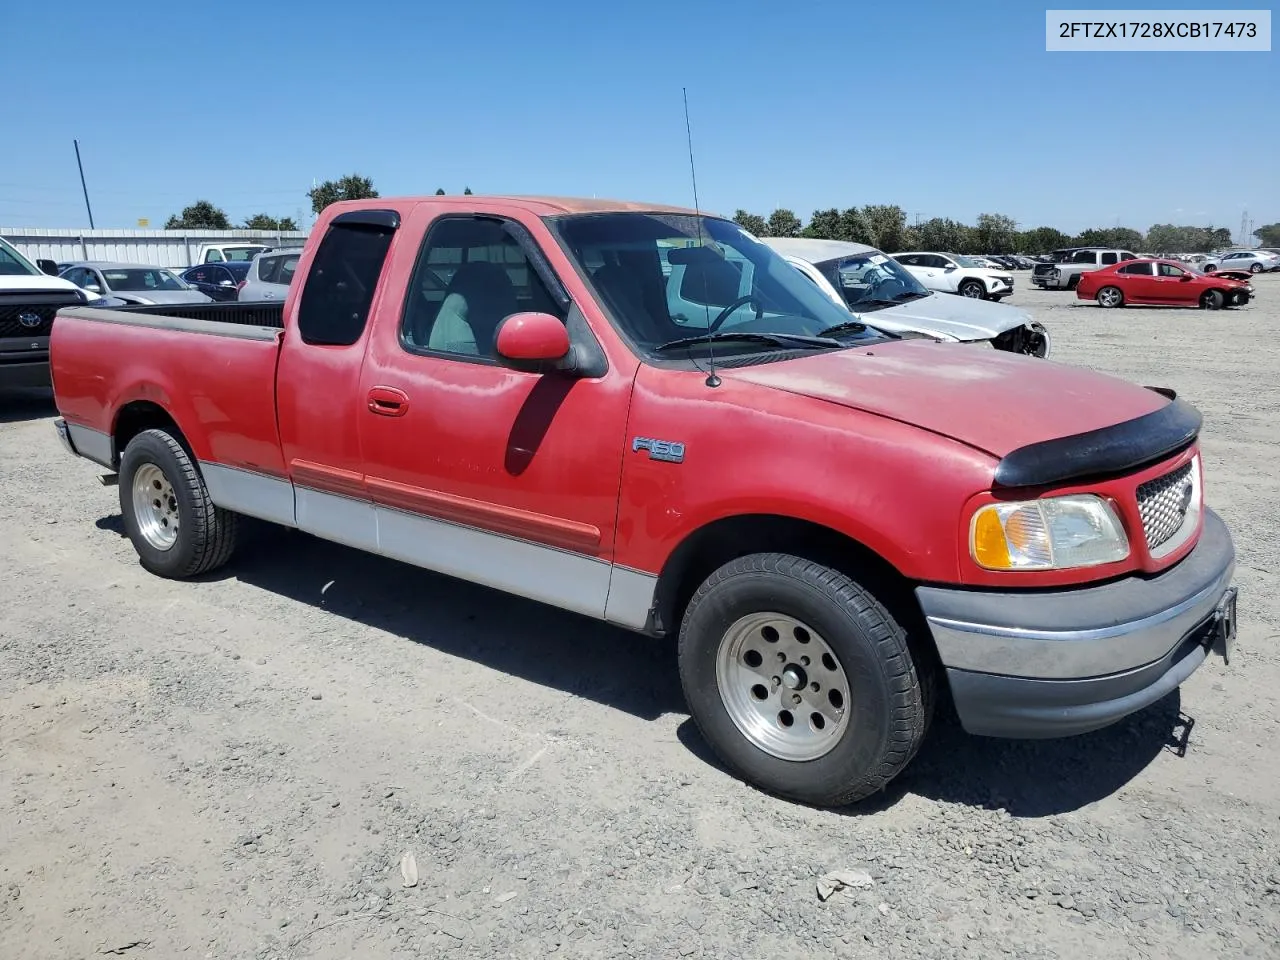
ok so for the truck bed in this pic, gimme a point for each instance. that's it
(212, 366)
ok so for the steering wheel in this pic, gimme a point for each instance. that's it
(723, 315)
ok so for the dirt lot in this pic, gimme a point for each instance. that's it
(234, 768)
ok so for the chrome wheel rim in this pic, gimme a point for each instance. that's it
(1109, 297)
(782, 686)
(155, 506)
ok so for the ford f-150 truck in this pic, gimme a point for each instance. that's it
(835, 520)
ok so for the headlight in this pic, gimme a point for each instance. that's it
(1056, 533)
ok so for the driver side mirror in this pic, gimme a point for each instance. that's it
(1185, 278)
(949, 267)
(93, 288)
(48, 266)
(226, 283)
(532, 342)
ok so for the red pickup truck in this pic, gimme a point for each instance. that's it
(645, 415)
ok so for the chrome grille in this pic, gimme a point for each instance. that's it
(1163, 504)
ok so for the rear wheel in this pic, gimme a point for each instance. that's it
(1256, 268)
(1211, 300)
(973, 289)
(1110, 297)
(801, 681)
(168, 515)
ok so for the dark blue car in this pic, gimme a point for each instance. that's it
(221, 281)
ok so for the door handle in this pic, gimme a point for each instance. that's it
(388, 402)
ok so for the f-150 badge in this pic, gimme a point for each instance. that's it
(666, 450)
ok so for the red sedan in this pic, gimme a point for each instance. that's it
(1161, 283)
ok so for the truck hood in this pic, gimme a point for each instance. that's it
(964, 318)
(37, 283)
(994, 402)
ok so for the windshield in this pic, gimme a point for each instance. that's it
(142, 279)
(665, 277)
(872, 281)
(242, 253)
(14, 264)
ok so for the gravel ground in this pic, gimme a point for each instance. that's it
(235, 767)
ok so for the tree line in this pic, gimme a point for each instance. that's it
(203, 215)
(885, 227)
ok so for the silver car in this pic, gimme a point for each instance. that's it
(876, 288)
(1255, 261)
(270, 275)
(134, 283)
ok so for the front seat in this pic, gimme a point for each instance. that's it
(479, 296)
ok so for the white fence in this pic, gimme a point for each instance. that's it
(161, 248)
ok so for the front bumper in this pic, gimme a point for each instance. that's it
(1062, 662)
(25, 374)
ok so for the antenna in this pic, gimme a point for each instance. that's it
(712, 379)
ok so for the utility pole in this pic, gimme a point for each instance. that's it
(82, 185)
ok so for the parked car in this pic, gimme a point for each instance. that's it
(1161, 282)
(998, 261)
(833, 519)
(270, 275)
(952, 273)
(132, 282)
(29, 298)
(877, 288)
(1254, 261)
(1067, 266)
(218, 281)
(224, 252)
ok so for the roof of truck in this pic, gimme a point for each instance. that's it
(542, 206)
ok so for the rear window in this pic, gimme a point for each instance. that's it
(340, 285)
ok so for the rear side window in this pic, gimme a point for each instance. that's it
(1086, 256)
(285, 272)
(268, 267)
(1109, 258)
(340, 285)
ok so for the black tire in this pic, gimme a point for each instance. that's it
(1210, 267)
(893, 691)
(973, 289)
(1211, 300)
(206, 535)
(1255, 268)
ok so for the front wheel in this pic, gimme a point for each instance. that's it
(1110, 297)
(801, 681)
(1211, 300)
(174, 526)
(973, 289)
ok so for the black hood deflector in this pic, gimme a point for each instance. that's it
(1119, 448)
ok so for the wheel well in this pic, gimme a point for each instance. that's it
(716, 544)
(141, 415)
(1073, 281)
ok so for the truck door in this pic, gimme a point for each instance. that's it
(494, 475)
(318, 398)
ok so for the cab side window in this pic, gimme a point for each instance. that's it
(472, 273)
(340, 284)
(1110, 257)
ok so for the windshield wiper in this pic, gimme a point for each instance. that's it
(848, 326)
(777, 339)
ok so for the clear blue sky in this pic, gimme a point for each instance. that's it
(948, 109)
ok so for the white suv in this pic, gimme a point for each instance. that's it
(952, 273)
